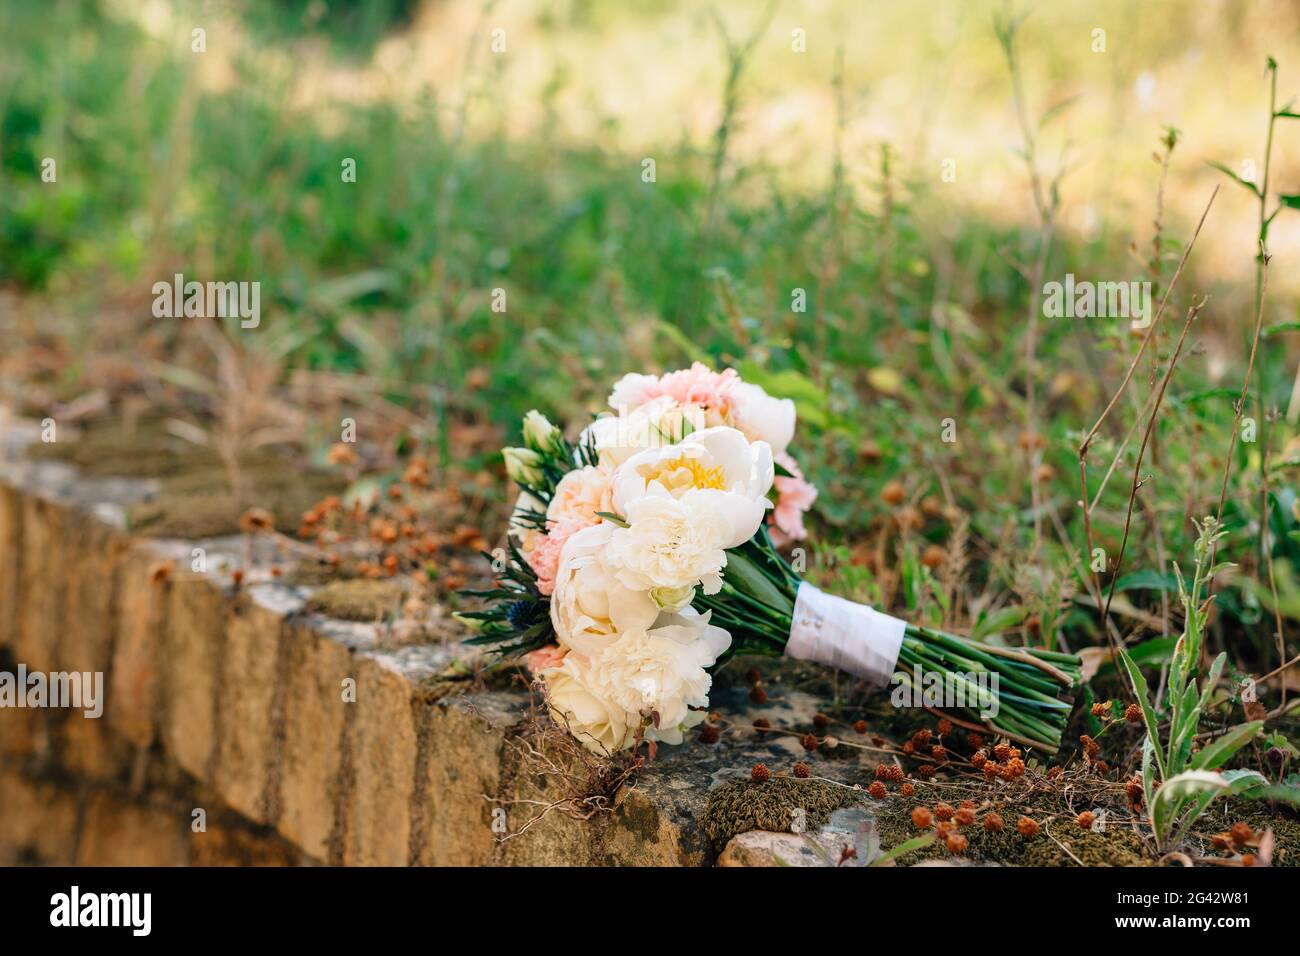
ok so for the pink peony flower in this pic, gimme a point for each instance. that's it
(794, 497)
(697, 385)
(552, 655)
(544, 558)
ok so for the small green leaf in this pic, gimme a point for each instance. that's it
(916, 843)
(1221, 167)
(1142, 691)
(1216, 754)
(1280, 328)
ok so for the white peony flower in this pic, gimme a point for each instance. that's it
(599, 724)
(589, 604)
(762, 417)
(670, 543)
(718, 466)
(633, 429)
(628, 390)
(581, 495)
(663, 671)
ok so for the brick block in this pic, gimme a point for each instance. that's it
(132, 707)
(41, 585)
(93, 556)
(191, 653)
(384, 759)
(11, 565)
(314, 776)
(248, 681)
(461, 753)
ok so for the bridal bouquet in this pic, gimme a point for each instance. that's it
(644, 554)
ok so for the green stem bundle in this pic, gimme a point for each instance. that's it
(756, 604)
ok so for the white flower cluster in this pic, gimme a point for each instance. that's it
(682, 473)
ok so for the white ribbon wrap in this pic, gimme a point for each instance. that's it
(853, 637)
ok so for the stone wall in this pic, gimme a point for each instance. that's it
(230, 699)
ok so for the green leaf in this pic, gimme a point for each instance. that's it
(1280, 328)
(916, 843)
(1282, 792)
(1176, 792)
(1143, 693)
(1217, 753)
(1000, 620)
(809, 400)
(1184, 730)
(1147, 578)
(1221, 167)
(1291, 202)
(743, 575)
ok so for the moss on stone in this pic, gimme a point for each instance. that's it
(738, 807)
(359, 600)
(1118, 845)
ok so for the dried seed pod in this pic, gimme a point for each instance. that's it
(1086, 819)
(922, 818)
(1241, 833)
(877, 790)
(956, 843)
(709, 734)
(943, 811)
(964, 816)
(907, 789)
(893, 493)
(809, 742)
(1027, 826)
(760, 773)
(992, 822)
(934, 556)
(802, 770)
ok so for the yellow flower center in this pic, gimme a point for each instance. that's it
(685, 473)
